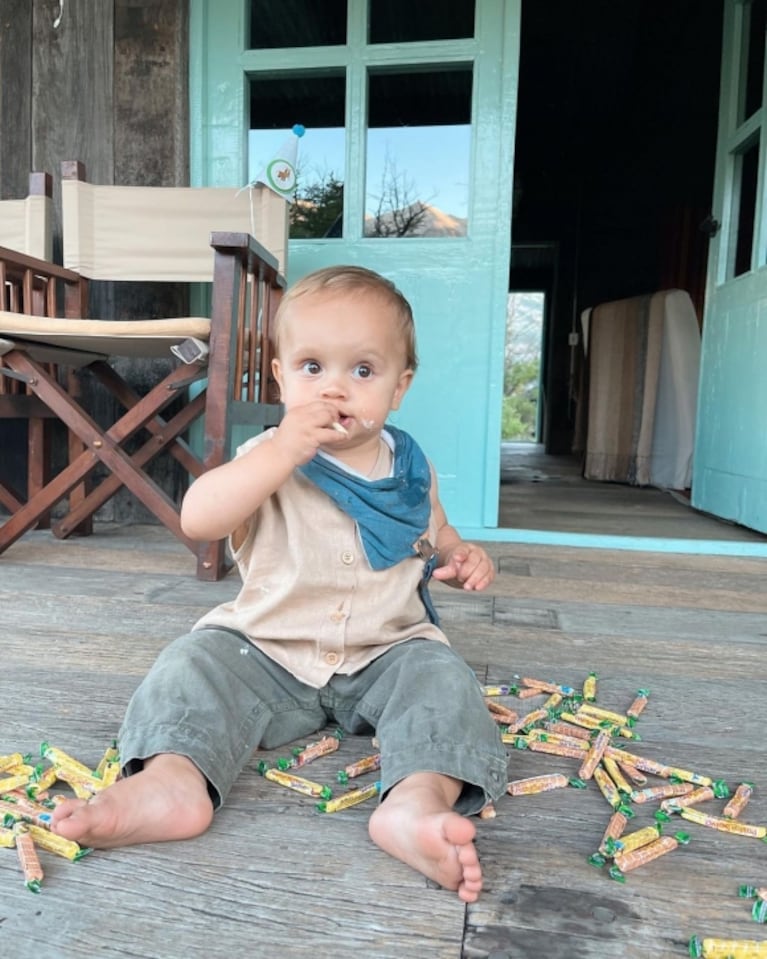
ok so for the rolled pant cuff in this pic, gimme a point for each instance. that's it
(144, 742)
(485, 777)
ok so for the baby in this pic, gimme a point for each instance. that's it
(335, 523)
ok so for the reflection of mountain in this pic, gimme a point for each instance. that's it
(419, 219)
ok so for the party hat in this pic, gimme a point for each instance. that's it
(279, 174)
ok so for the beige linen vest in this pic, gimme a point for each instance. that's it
(309, 598)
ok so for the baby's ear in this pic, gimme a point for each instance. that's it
(277, 374)
(403, 385)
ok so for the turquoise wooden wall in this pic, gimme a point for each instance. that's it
(731, 447)
(730, 467)
(457, 286)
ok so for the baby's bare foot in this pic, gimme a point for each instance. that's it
(167, 799)
(416, 824)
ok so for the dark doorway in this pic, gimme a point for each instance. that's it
(614, 166)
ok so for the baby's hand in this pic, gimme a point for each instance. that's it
(467, 565)
(304, 429)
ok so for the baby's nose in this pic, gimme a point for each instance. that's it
(333, 387)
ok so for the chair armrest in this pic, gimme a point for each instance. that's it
(17, 263)
(247, 247)
(37, 287)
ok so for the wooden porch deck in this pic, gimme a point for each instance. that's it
(83, 620)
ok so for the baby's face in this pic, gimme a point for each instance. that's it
(346, 350)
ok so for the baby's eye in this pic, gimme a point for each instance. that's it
(311, 367)
(363, 371)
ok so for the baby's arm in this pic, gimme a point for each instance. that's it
(223, 499)
(460, 564)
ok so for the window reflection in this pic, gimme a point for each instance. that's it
(317, 101)
(418, 142)
(296, 23)
(747, 173)
(402, 21)
(752, 58)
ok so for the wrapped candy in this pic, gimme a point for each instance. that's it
(324, 746)
(350, 799)
(727, 948)
(723, 825)
(298, 784)
(595, 753)
(28, 859)
(54, 843)
(739, 801)
(626, 861)
(359, 768)
(536, 784)
(638, 705)
(590, 687)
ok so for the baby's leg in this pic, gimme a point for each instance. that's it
(441, 757)
(167, 799)
(417, 824)
(207, 703)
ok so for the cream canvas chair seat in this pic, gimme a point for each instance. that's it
(155, 234)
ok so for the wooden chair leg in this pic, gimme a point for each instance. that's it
(111, 484)
(100, 445)
(75, 447)
(9, 500)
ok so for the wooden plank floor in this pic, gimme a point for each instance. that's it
(83, 620)
(546, 492)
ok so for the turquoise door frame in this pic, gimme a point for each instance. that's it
(458, 287)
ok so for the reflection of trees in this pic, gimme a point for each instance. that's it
(317, 208)
(396, 213)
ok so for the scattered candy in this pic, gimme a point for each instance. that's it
(350, 799)
(367, 765)
(325, 746)
(536, 784)
(727, 948)
(590, 687)
(634, 710)
(723, 825)
(28, 858)
(626, 861)
(298, 784)
(739, 801)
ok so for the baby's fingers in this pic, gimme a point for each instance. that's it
(477, 571)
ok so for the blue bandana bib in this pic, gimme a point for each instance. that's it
(391, 513)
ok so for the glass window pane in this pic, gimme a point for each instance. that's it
(747, 169)
(400, 21)
(418, 147)
(277, 102)
(752, 58)
(297, 23)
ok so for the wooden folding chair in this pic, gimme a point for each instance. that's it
(147, 233)
(26, 226)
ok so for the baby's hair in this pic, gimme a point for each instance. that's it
(353, 280)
